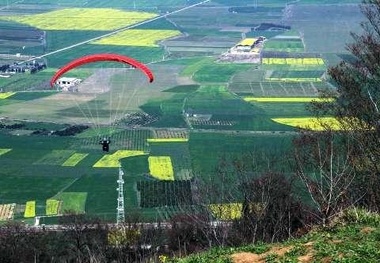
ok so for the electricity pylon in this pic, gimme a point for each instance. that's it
(120, 215)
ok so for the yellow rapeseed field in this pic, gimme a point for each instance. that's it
(226, 211)
(138, 37)
(30, 209)
(5, 95)
(74, 159)
(161, 167)
(310, 123)
(52, 207)
(113, 160)
(82, 19)
(284, 99)
(4, 151)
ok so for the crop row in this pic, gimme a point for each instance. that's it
(164, 193)
(277, 89)
(212, 122)
(170, 134)
(82, 19)
(293, 61)
(161, 167)
(6, 211)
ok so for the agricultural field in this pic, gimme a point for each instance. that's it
(161, 168)
(30, 209)
(169, 136)
(138, 38)
(310, 123)
(74, 159)
(176, 193)
(81, 19)
(305, 61)
(284, 45)
(52, 207)
(6, 95)
(323, 35)
(6, 211)
(113, 160)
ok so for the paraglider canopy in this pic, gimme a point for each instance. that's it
(102, 109)
(102, 57)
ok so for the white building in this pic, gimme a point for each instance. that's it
(68, 84)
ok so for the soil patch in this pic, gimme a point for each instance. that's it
(245, 257)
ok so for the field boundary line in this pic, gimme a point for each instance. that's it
(67, 186)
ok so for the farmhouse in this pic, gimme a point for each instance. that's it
(246, 51)
(68, 84)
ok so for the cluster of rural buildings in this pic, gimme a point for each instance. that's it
(7, 70)
(246, 51)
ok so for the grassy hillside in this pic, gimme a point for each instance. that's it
(353, 237)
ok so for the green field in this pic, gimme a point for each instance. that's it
(194, 97)
(287, 45)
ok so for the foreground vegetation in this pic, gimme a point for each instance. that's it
(353, 236)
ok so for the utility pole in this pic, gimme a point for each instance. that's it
(120, 215)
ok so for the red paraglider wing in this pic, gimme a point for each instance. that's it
(102, 57)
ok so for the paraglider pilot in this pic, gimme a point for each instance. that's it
(105, 142)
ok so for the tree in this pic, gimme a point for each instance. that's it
(271, 211)
(324, 164)
(356, 104)
(84, 238)
(16, 244)
(242, 204)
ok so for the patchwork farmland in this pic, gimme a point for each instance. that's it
(198, 116)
